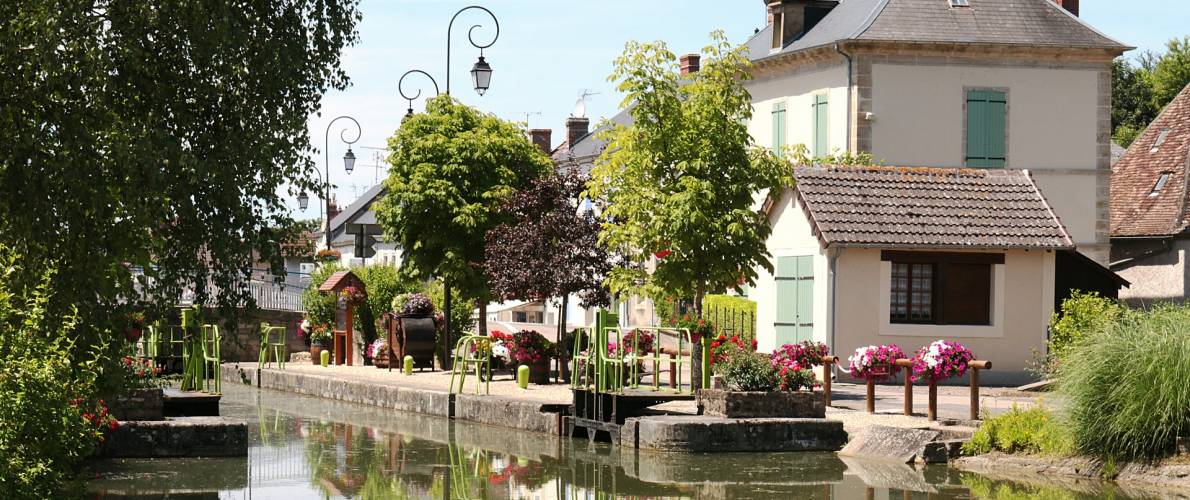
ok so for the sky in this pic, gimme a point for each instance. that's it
(549, 52)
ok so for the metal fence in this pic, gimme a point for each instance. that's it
(270, 292)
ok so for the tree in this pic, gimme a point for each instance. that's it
(1171, 74)
(452, 168)
(550, 247)
(680, 181)
(157, 136)
(1141, 89)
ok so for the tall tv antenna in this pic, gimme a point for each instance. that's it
(527, 115)
(580, 106)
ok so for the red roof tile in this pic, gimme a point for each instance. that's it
(1137, 208)
(928, 207)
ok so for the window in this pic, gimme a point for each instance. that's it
(527, 317)
(941, 288)
(778, 127)
(1161, 136)
(960, 3)
(1161, 182)
(986, 128)
(820, 108)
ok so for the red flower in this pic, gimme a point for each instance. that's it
(661, 254)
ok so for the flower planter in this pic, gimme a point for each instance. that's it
(539, 373)
(381, 360)
(138, 404)
(737, 404)
(315, 352)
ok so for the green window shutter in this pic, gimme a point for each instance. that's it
(821, 134)
(795, 299)
(986, 128)
(778, 127)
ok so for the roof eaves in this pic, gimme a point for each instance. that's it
(1079, 20)
(1058, 220)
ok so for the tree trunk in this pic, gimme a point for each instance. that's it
(447, 346)
(482, 324)
(696, 349)
(563, 353)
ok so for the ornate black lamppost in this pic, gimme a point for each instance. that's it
(481, 79)
(348, 165)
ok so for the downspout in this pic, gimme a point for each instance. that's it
(833, 262)
(849, 78)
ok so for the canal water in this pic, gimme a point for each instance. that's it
(303, 447)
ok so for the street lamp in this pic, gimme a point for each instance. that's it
(303, 200)
(348, 165)
(481, 71)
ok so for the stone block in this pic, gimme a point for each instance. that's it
(138, 404)
(185, 437)
(737, 404)
(889, 443)
(690, 433)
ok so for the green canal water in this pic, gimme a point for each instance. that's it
(304, 447)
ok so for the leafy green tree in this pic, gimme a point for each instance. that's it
(452, 168)
(1171, 74)
(383, 283)
(679, 182)
(157, 136)
(1132, 101)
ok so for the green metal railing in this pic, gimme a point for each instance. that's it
(196, 345)
(594, 367)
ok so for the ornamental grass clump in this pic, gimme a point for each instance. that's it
(1127, 385)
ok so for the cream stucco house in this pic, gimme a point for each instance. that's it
(1012, 93)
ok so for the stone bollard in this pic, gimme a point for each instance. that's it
(522, 376)
(407, 365)
(326, 358)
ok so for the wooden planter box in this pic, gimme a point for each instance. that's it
(381, 360)
(539, 373)
(138, 404)
(736, 404)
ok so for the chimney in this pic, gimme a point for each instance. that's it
(1069, 5)
(541, 137)
(690, 64)
(792, 19)
(576, 128)
(332, 208)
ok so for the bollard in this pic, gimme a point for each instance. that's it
(827, 361)
(673, 371)
(932, 413)
(326, 358)
(975, 366)
(408, 365)
(522, 376)
(871, 395)
(907, 364)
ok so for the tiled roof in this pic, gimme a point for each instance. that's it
(1004, 22)
(928, 207)
(1137, 208)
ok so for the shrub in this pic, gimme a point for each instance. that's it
(748, 371)
(1035, 430)
(729, 312)
(44, 430)
(1082, 314)
(801, 356)
(320, 307)
(723, 345)
(1127, 384)
(641, 339)
(529, 347)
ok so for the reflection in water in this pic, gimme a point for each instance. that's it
(312, 448)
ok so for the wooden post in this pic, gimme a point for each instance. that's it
(975, 366)
(871, 395)
(933, 412)
(827, 361)
(907, 364)
(673, 371)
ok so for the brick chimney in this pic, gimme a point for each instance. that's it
(541, 137)
(576, 128)
(332, 208)
(690, 63)
(1069, 5)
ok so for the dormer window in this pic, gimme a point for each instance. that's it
(1160, 140)
(1161, 182)
(960, 3)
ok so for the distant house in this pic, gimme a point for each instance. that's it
(514, 315)
(910, 255)
(1006, 108)
(1150, 204)
(342, 228)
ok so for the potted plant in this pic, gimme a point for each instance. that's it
(942, 360)
(532, 349)
(418, 327)
(328, 255)
(754, 387)
(875, 362)
(143, 398)
(136, 326)
(378, 352)
(413, 305)
(320, 336)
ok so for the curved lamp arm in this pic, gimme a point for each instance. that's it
(470, 37)
(401, 88)
(326, 180)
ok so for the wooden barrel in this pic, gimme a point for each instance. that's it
(418, 336)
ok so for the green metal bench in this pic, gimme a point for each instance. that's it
(279, 347)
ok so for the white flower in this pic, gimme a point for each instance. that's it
(500, 351)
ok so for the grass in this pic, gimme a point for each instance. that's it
(1127, 386)
(1034, 431)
